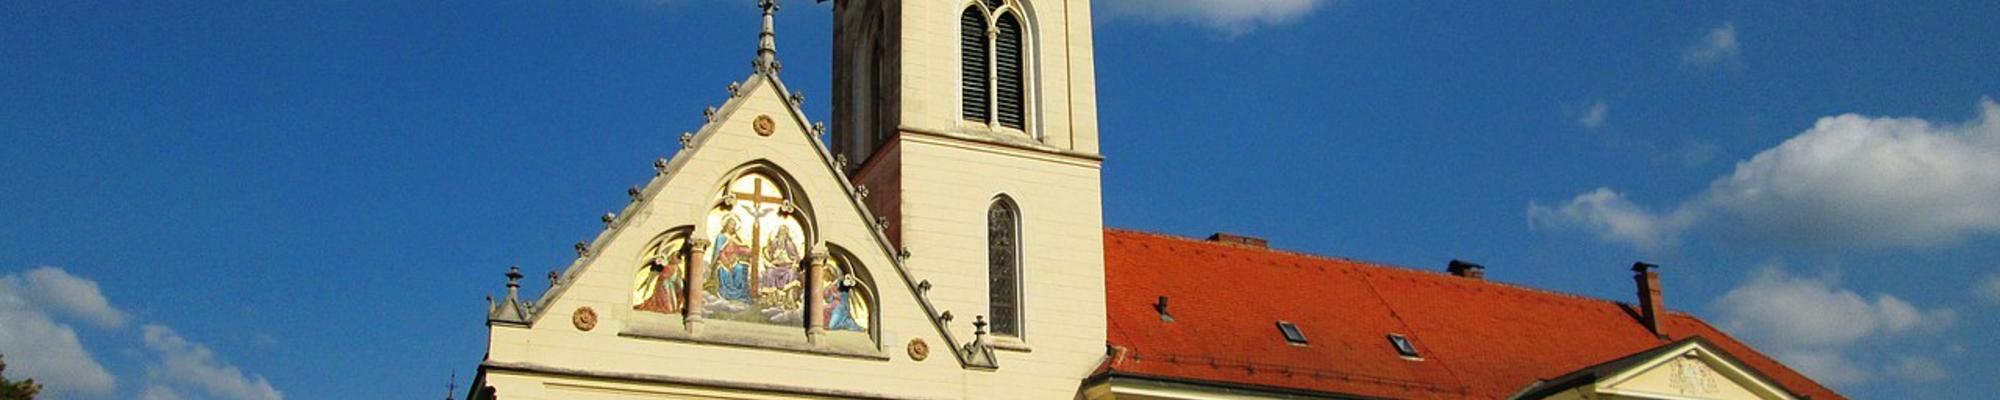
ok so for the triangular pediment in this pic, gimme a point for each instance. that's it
(1687, 369)
(757, 156)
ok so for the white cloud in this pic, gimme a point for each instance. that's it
(1718, 47)
(60, 292)
(1811, 323)
(1917, 369)
(1850, 180)
(38, 347)
(1827, 367)
(157, 392)
(1614, 218)
(1593, 116)
(195, 365)
(1234, 17)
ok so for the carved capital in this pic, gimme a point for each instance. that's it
(821, 258)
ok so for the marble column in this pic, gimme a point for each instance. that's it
(822, 279)
(697, 273)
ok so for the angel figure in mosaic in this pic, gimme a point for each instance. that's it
(665, 283)
(836, 296)
(731, 260)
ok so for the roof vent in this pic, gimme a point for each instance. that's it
(1292, 333)
(1466, 269)
(1239, 240)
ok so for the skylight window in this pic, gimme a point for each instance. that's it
(1292, 334)
(1403, 346)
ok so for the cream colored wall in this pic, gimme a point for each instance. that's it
(603, 282)
(1065, 84)
(948, 185)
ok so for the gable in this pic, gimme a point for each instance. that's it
(814, 287)
(1689, 370)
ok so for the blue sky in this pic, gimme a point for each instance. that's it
(253, 200)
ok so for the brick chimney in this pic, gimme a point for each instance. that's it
(1466, 270)
(1239, 240)
(1651, 306)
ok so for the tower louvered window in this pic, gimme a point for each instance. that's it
(994, 51)
(972, 47)
(1007, 67)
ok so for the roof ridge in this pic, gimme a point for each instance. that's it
(1378, 266)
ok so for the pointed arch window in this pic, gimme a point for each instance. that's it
(1003, 268)
(993, 59)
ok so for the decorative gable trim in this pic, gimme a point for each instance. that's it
(1695, 354)
(692, 143)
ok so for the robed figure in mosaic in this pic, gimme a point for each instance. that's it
(779, 293)
(662, 286)
(731, 259)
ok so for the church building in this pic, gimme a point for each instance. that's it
(945, 240)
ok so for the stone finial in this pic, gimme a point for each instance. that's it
(840, 160)
(946, 316)
(554, 278)
(924, 286)
(708, 114)
(819, 128)
(903, 253)
(582, 249)
(735, 89)
(660, 164)
(633, 192)
(767, 41)
(881, 223)
(979, 329)
(798, 99)
(608, 218)
(687, 142)
(861, 191)
(514, 282)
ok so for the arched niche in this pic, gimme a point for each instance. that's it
(849, 304)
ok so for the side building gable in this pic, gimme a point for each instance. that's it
(1691, 368)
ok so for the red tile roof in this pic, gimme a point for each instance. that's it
(1478, 339)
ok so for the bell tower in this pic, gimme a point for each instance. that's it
(1012, 71)
(972, 126)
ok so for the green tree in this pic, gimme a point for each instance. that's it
(11, 390)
